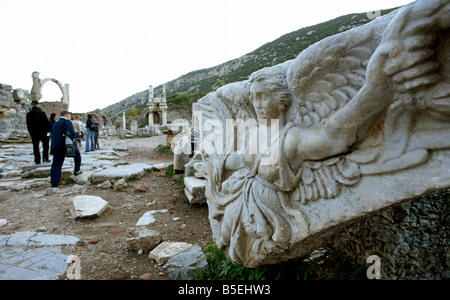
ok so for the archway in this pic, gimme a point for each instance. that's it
(156, 118)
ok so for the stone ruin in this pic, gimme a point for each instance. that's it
(358, 123)
(54, 106)
(14, 106)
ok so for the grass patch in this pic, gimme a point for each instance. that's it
(333, 265)
(164, 149)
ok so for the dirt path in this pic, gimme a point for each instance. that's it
(109, 258)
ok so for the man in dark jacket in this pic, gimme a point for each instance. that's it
(60, 130)
(38, 126)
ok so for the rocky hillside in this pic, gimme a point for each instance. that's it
(284, 48)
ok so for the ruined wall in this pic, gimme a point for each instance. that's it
(53, 107)
(14, 106)
(411, 239)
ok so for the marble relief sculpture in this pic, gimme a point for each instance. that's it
(357, 122)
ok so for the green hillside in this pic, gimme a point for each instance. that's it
(196, 84)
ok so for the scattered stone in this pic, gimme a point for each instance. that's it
(83, 178)
(116, 230)
(148, 218)
(195, 189)
(106, 185)
(143, 239)
(141, 188)
(93, 241)
(3, 222)
(146, 276)
(87, 206)
(315, 255)
(187, 263)
(166, 250)
(120, 184)
(52, 191)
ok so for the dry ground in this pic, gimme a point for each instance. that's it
(109, 258)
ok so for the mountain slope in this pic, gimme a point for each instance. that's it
(282, 49)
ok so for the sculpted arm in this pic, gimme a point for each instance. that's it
(342, 129)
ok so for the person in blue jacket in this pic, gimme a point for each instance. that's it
(62, 128)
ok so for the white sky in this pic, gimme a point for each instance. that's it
(107, 50)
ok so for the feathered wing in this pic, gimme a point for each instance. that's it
(323, 79)
(328, 74)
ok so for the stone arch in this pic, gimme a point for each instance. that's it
(156, 117)
(65, 96)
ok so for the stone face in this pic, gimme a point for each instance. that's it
(87, 206)
(166, 250)
(358, 122)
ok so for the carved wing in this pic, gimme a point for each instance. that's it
(323, 179)
(328, 74)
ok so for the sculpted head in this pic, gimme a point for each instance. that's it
(269, 93)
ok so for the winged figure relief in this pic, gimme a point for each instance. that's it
(372, 100)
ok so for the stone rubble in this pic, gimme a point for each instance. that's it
(195, 189)
(166, 250)
(187, 263)
(86, 206)
(32, 255)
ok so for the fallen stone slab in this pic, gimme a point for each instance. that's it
(86, 206)
(166, 250)
(161, 166)
(187, 263)
(35, 239)
(122, 171)
(195, 189)
(33, 264)
(148, 218)
(45, 171)
(19, 185)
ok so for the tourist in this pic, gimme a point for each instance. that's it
(62, 129)
(90, 137)
(38, 126)
(76, 128)
(52, 119)
(96, 132)
(195, 137)
(81, 126)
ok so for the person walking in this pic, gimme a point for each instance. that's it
(96, 132)
(38, 127)
(90, 136)
(60, 130)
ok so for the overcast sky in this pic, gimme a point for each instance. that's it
(107, 50)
